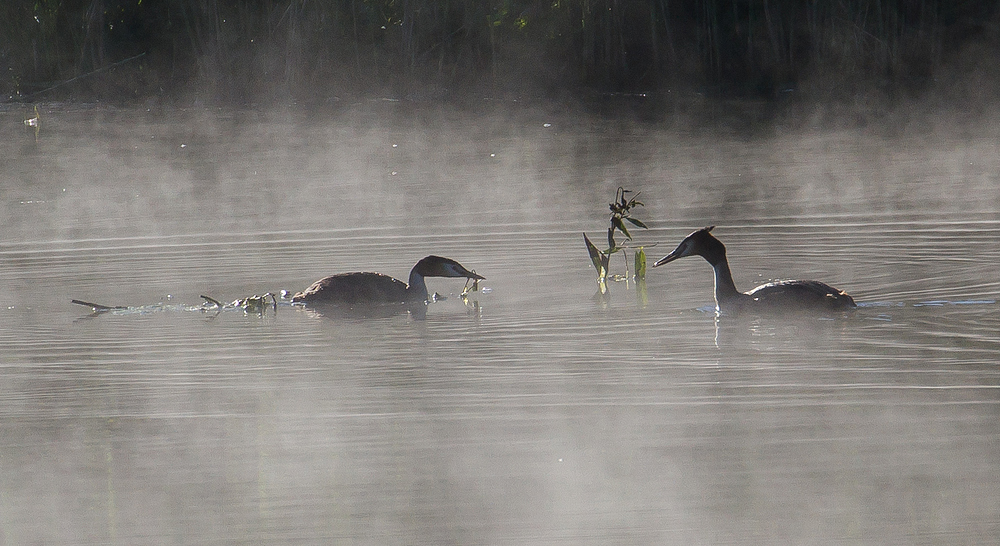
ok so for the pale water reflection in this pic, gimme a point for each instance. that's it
(531, 413)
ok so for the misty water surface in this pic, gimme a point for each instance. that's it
(534, 412)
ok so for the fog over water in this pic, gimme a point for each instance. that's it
(533, 411)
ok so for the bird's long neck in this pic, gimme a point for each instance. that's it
(725, 288)
(416, 289)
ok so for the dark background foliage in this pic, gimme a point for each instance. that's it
(235, 51)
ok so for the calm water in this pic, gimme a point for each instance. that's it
(533, 412)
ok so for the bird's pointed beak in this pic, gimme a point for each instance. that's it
(463, 272)
(677, 253)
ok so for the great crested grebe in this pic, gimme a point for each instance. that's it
(374, 288)
(778, 294)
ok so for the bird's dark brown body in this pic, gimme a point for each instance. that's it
(357, 288)
(376, 288)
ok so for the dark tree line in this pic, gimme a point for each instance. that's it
(238, 50)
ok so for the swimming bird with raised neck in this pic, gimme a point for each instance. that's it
(778, 294)
(376, 288)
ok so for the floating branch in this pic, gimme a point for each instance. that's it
(211, 300)
(257, 304)
(98, 307)
(251, 304)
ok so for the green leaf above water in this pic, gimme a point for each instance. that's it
(617, 223)
(599, 259)
(640, 264)
(636, 222)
